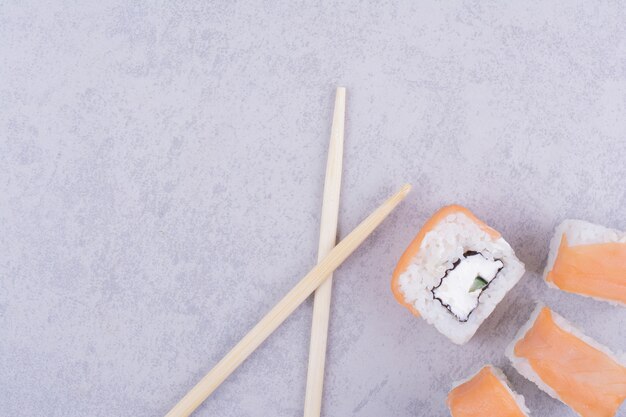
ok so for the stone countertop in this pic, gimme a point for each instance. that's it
(161, 179)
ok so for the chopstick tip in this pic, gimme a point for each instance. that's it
(406, 188)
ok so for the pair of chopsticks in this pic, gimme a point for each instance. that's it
(329, 258)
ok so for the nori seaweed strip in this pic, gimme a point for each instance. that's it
(454, 265)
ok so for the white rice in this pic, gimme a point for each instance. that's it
(440, 248)
(519, 399)
(523, 366)
(580, 232)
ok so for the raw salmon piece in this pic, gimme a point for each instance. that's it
(597, 270)
(577, 370)
(486, 394)
(588, 259)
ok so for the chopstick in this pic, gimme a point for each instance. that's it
(285, 307)
(328, 235)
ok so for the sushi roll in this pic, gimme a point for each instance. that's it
(455, 272)
(569, 366)
(486, 393)
(588, 259)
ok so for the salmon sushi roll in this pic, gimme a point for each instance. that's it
(486, 393)
(589, 260)
(455, 272)
(569, 366)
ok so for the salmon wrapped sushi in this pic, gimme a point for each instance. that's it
(589, 260)
(486, 393)
(569, 366)
(455, 272)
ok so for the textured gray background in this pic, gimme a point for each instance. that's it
(161, 172)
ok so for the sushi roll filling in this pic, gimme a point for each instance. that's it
(461, 286)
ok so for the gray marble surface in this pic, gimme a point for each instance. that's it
(161, 172)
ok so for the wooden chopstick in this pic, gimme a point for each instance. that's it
(284, 308)
(328, 235)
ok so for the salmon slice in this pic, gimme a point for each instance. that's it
(577, 370)
(485, 394)
(414, 248)
(595, 270)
